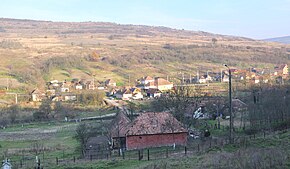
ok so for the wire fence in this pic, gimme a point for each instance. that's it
(194, 146)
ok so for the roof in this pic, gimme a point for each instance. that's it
(109, 81)
(155, 123)
(135, 90)
(161, 81)
(119, 125)
(280, 67)
(124, 91)
(36, 91)
(150, 84)
(153, 90)
(148, 78)
(238, 103)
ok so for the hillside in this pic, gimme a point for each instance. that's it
(284, 39)
(33, 52)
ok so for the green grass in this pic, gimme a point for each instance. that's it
(62, 145)
(112, 164)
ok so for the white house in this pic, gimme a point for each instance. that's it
(146, 80)
(79, 87)
(124, 94)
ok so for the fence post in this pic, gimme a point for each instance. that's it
(139, 155)
(56, 161)
(148, 154)
(123, 154)
(91, 157)
(264, 134)
(166, 152)
(20, 163)
(185, 150)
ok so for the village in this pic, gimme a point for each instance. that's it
(152, 87)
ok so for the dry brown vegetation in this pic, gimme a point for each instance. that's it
(36, 51)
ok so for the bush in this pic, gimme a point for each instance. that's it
(92, 97)
(251, 131)
(281, 125)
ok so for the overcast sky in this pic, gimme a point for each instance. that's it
(249, 18)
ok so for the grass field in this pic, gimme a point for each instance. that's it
(16, 143)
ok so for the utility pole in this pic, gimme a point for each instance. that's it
(182, 78)
(230, 102)
(7, 83)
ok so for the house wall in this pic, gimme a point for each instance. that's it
(165, 87)
(156, 140)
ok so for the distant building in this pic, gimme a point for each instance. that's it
(110, 82)
(79, 86)
(146, 80)
(6, 164)
(124, 94)
(281, 69)
(153, 92)
(162, 84)
(90, 85)
(37, 96)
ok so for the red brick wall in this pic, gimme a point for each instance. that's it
(158, 140)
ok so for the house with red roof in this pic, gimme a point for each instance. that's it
(150, 129)
(162, 84)
(281, 69)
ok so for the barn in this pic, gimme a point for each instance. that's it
(153, 129)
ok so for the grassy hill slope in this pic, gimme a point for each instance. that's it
(33, 52)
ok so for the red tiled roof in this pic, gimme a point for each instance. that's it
(161, 81)
(148, 78)
(155, 123)
(119, 125)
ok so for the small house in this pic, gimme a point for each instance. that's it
(37, 96)
(153, 93)
(90, 85)
(150, 129)
(79, 86)
(110, 82)
(124, 94)
(6, 164)
(163, 84)
(281, 69)
(146, 80)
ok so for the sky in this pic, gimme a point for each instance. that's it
(258, 19)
